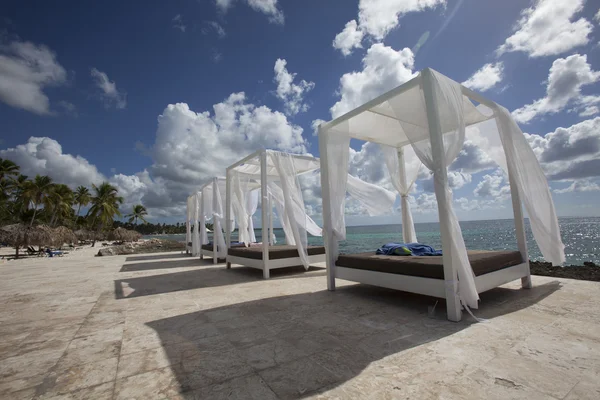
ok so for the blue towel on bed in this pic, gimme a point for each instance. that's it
(407, 249)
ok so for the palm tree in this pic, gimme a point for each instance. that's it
(105, 205)
(8, 168)
(36, 192)
(82, 197)
(139, 212)
(60, 201)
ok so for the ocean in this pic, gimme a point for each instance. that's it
(581, 237)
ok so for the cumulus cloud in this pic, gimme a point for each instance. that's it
(383, 68)
(456, 180)
(550, 27)
(44, 156)
(178, 23)
(472, 159)
(566, 78)
(376, 19)
(26, 69)
(267, 7)
(315, 125)
(580, 186)
(493, 186)
(486, 77)
(348, 39)
(569, 153)
(110, 94)
(290, 93)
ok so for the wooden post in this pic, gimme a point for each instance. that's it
(327, 230)
(440, 180)
(402, 171)
(271, 234)
(202, 220)
(264, 215)
(216, 224)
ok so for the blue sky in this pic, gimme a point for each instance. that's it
(127, 93)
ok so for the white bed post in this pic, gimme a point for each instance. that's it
(201, 192)
(215, 223)
(440, 180)
(227, 213)
(402, 168)
(270, 232)
(264, 215)
(327, 232)
(520, 229)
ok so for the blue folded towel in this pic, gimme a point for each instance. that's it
(407, 249)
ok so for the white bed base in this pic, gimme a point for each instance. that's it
(429, 286)
(273, 264)
(211, 254)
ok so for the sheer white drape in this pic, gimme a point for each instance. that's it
(196, 217)
(238, 203)
(447, 105)
(293, 201)
(337, 143)
(218, 220)
(188, 230)
(533, 187)
(251, 206)
(403, 166)
(276, 194)
(375, 199)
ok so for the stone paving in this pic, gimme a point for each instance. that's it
(168, 326)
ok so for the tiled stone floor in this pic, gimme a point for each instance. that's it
(170, 327)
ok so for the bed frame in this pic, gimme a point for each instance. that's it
(447, 288)
(267, 265)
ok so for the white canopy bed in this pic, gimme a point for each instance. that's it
(428, 116)
(276, 175)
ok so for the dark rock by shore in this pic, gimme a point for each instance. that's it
(587, 272)
(148, 246)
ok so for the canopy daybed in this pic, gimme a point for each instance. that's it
(276, 175)
(429, 116)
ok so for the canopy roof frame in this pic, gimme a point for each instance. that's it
(425, 78)
(260, 158)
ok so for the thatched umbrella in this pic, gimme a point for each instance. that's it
(119, 234)
(64, 235)
(83, 234)
(18, 235)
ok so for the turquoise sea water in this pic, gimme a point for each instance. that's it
(581, 237)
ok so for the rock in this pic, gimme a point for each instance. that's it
(107, 251)
(589, 264)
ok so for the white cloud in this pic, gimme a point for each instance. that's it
(267, 7)
(493, 186)
(456, 180)
(315, 125)
(291, 94)
(383, 69)
(569, 153)
(566, 78)
(26, 69)
(472, 159)
(111, 95)
(589, 111)
(486, 77)
(178, 23)
(215, 26)
(68, 108)
(597, 16)
(549, 28)
(349, 38)
(377, 18)
(44, 156)
(580, 186)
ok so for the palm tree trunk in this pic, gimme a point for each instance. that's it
(78, 209)
(34, 212)
(53, 219)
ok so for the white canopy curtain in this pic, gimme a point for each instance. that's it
(430, 114)
(196, 199)
(188, 220)
(211, 208)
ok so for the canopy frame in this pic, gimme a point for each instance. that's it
(260, 158)
(448, 287)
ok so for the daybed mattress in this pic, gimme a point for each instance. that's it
(275, 252)
(209, 246)
(482, 262)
